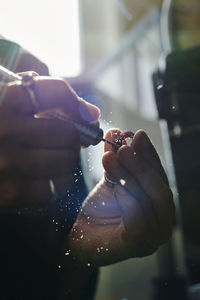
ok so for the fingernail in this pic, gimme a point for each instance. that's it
(88, 111)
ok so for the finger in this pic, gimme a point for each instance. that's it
(142, 144)
(51, 93)
(152, 184)
(111, 136)
(45, 163)
(119, 174)
(43, 133)
(140, 237)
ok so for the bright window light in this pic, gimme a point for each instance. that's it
(48, 29)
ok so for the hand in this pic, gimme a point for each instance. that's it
(132, 218)
(34, 150)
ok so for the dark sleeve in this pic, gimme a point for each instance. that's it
(17, 59)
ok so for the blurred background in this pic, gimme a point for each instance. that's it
(109, 50)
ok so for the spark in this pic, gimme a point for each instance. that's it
(122, 182)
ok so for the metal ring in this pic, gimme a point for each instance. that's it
(28, 83)
(109, 181)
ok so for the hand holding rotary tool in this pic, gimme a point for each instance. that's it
(35, 149)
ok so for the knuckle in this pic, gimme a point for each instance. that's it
(61, 84)
(33, 73)
(64, 87)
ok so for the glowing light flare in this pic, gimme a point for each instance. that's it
(48, 29)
